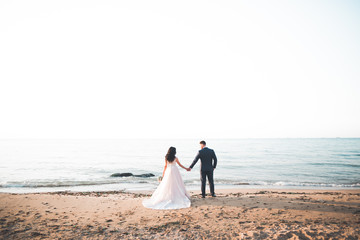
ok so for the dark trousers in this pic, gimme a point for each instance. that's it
(210, 176)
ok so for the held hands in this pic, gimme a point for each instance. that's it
(188, 169)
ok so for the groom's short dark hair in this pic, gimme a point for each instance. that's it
(203, 142)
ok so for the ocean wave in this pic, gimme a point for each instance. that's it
(336, 164)
(67, 183)
(348, 154)
(153, 182)
(278, 184)
(306, 184)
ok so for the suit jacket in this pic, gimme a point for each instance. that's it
(206, 156)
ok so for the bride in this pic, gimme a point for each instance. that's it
(171, 192)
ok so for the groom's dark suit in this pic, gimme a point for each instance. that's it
(206, 156)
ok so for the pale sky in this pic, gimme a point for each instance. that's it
(179, 69)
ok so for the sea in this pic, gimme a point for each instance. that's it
(81, 165)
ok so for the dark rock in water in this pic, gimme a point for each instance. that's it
(145, 175)
(121, 175)
(130, 174)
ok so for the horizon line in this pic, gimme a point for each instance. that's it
(165, 138)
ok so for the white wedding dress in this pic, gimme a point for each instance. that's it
(171, 192)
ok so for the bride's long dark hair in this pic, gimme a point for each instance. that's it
(170, 156)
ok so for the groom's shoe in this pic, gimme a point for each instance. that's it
(213, 195)
(202, 196)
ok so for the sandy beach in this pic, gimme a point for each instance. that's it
(233, 214)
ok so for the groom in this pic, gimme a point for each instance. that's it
(206, 156)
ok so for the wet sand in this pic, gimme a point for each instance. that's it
(233, 214)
